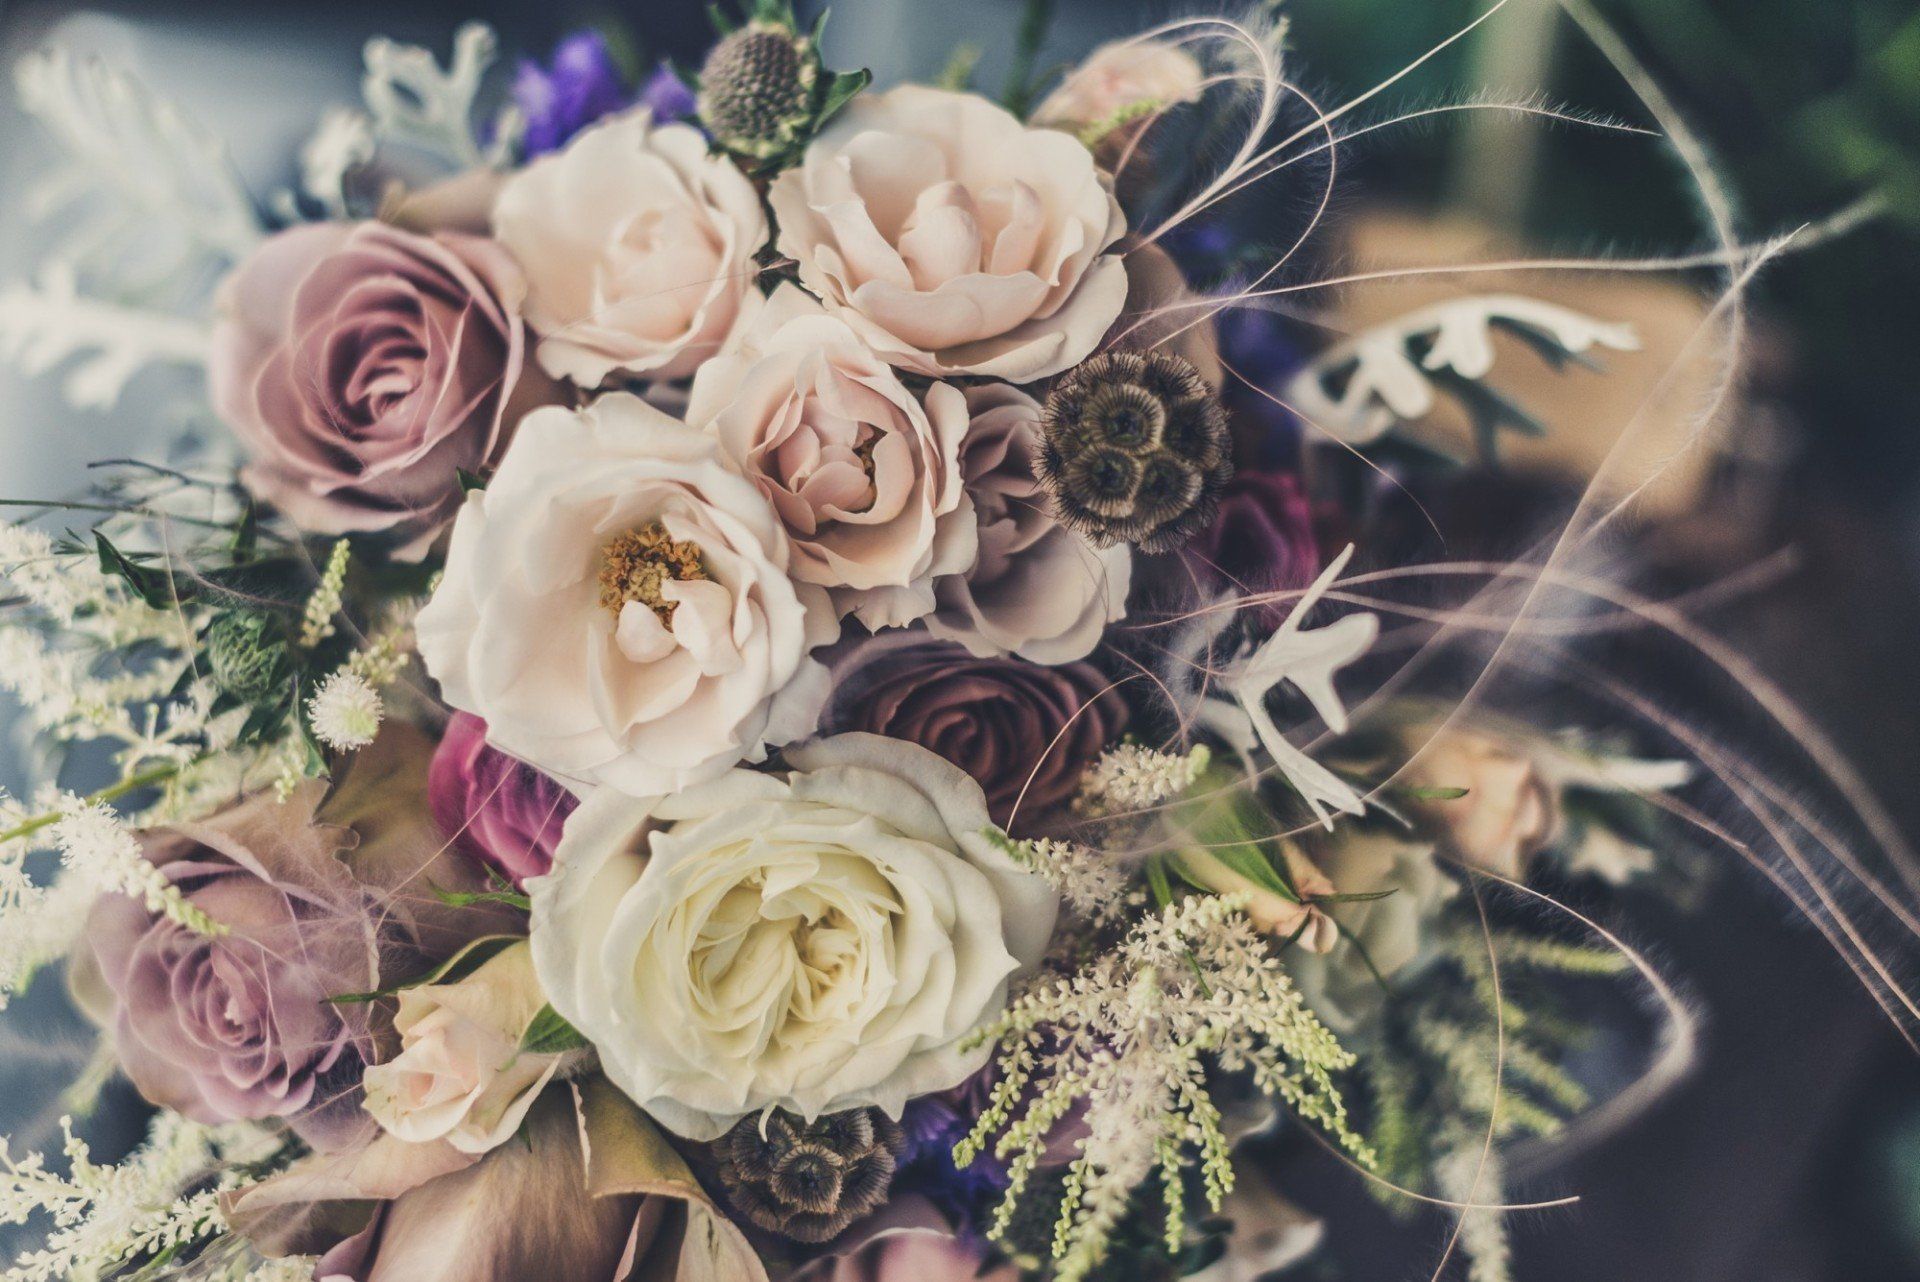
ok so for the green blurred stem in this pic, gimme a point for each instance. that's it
(112, 792)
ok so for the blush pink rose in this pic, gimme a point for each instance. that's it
(954, 238)
(493, 807)
(639, 246)
(863, 472)
(363, 368)
(1036, 588)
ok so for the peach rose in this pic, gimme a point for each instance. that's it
(638, 248)
(1510, 809)
(864, 473)
(955, 239)
(1118, 78)
(1036, 588)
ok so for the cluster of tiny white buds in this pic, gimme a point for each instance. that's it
(96, 844)
(316, 625)
(1130, 777)
(345, 711)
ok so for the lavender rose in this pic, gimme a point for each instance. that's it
(1016, 727)
(365, 367)
(494, 807)
(1036, 588)
(239, 1025)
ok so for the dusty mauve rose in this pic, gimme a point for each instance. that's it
(864, 473)
(998, 719)
(364, 368)
(1036, 588)
(955, 239)
(1120, 77)
(496, 808)
(908, 1240)
(638, 247)
(238, 1026)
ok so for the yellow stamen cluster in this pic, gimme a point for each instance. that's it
(635, 566)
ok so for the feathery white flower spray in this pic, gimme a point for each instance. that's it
(161, 1200)
(1130, 777)
(1130, 1039)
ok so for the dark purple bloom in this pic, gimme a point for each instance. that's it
(581, 85)
(496, 808)
(667, 96)
(1262, 540)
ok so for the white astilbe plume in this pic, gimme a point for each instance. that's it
(1096, 888)
(162, 1198)
(100, 851)
(1130, 1040)
(1131, 777)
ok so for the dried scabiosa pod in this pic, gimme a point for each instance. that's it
(1136, 450)
(809, 1180)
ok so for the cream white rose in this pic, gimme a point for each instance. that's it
(460, 1075)
(638, 247)
(1035, 588)
(955, 239)
(817, 940)
(864, 473)
(617, 606)
(1121, 77)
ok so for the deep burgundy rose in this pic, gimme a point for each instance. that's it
(496, 808)
(364, 368)
(999, 719)
(315, 901)
(1262, 540)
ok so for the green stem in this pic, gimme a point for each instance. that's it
(112, 792)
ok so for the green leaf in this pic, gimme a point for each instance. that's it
(468, 898)
(549, 1034)
(150, 585)
(1158, 882)
(1356, 897)
(1437, 794)
(841, 88)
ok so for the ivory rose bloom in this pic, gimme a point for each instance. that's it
(955, 239)
(460, 1075)
(617, 606)
(817, 940)
(864, 473)
(1120, 77)
(638, 248)
(1036, 588)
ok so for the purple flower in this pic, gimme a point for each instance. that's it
(581, 85)
(1024, 731)
(667, 96)
(496, 808)
(1262, 540)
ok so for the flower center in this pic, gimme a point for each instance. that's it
(635, 566)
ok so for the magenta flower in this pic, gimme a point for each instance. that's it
(496, 808)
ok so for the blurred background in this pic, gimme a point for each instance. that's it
(1793, 1153)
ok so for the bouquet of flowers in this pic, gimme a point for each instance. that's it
(743, 675)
